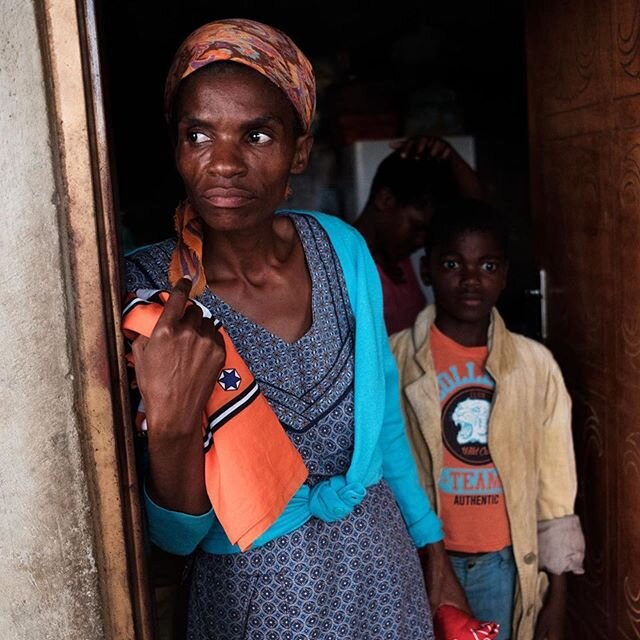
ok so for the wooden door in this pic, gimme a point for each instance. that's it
(584, 99)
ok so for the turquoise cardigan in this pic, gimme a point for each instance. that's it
(381, 449)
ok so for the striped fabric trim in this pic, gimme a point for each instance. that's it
(228, 411)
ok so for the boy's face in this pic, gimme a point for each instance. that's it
(467, 276)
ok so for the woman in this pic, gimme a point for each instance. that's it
(299, 296)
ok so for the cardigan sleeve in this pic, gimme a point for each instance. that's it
(560, 539)
(399, 467)
(176, 532)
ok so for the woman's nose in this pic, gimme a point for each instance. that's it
(226, 160)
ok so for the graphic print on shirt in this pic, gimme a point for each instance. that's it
(465, 423)
(465, 419)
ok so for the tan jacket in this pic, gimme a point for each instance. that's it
(531, 446)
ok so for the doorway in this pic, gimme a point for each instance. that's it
(451, 69)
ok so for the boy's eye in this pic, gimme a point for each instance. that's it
(197, 137)
(450, 264)
(490, 267)
(259, 137)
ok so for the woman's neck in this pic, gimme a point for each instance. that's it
(246, 253)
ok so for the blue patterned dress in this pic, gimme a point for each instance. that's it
(355, 579)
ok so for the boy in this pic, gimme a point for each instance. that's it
(489, 421)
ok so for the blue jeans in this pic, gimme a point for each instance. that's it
(489, 581)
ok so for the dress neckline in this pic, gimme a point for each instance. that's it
(220, 302)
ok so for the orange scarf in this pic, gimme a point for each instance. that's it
(186, 259)
(251, 468)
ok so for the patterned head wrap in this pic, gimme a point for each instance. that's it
(266, 50)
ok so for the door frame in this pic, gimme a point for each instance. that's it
(86, 204)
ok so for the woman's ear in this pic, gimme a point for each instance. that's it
(301, 154)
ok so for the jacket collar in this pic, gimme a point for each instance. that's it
(501, 347)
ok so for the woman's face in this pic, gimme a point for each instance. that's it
(236, 146)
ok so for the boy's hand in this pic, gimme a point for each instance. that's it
(550, 623)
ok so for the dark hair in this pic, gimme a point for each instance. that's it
(418, 183)
(462, 216)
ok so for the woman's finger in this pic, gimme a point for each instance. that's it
(193, 316)
(174, 307)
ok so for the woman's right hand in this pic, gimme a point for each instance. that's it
(176, 370)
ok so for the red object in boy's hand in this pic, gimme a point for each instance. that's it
(452, 623)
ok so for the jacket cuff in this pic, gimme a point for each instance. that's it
(561, 545)
(173, 531)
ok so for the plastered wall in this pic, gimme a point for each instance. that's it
(48, 580)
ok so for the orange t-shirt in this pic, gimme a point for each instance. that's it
(472, 506)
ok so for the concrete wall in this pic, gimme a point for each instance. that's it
(48, 576)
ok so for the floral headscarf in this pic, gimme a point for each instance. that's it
(265, 49)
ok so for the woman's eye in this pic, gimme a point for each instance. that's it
(259, 137)
(197, 137)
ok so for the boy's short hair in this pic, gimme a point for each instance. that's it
(462, 216)
(419, 182)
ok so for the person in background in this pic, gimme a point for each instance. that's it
(422, 172)
(489, 420)
(357, 552)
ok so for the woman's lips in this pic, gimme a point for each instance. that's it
(224, 198)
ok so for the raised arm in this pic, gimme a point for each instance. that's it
(176, 369)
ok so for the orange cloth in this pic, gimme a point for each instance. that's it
(472, 504)
(451, 623)
(252, 469)
(186, 259)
